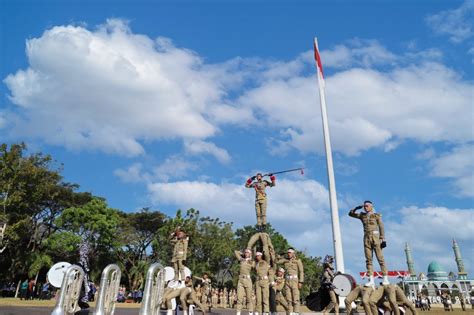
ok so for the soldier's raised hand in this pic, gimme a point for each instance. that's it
(358, 207)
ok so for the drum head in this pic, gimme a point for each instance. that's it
(56, 273)
(169, 273)
(344, 284)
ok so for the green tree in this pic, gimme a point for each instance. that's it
(135, 234)
(32, 195)
(96, 224)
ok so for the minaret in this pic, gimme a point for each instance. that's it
(411, 265)
(462, 274)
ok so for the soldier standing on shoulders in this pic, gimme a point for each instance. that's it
(260, 197)
(294, 280)
(374, 239)
(326, 284)
(180, 249)
(244, 286)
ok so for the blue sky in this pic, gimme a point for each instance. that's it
(174, 104)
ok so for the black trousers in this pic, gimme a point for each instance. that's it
(273, 306)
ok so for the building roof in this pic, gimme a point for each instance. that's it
(436, 272)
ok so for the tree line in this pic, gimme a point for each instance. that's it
(48, 217)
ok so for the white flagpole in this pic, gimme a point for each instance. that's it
(336, 229)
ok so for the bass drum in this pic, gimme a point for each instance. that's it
(344, 284)
(56, 273)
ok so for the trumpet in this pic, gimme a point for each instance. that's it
(154, 289)
(70, 291)
(109, 287)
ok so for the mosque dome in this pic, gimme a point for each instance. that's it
(436, 272)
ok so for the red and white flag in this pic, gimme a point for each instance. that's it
(319, 64)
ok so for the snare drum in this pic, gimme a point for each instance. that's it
(344, 284)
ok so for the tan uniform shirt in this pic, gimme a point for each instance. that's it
(263, 268)
(180, 249)
(294, 268)
(279, 284)
(259, 187)
(372, 222)
(246, 264)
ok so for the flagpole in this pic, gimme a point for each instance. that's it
(336, 230)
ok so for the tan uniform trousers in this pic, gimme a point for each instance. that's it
(375, 298)
(189, 293)
(292, 293)
(364, 293)
(400, 295)
(178, 269)
(261, 210)
(371, 244)
(263, 296)
(334, 304)
(244, 290)
(280, 299)
(175, 293)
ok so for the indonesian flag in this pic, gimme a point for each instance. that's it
(319, 64)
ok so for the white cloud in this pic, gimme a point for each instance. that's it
(199, 147)
(110, 89)
(358, 52)
(456, 23)
(173, 167)
(299, 209)
(458, 165)
(368, 108)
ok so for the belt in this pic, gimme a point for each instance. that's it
(292, 277)
(180, 252)
(372, 232)
(263, 278)
(244, 276)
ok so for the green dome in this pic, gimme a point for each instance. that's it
(436, 272)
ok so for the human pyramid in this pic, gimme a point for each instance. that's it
(278, 280)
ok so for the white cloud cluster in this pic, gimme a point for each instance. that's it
(199, 147)
(459, 166)
(110, 88)
(456, 23)
(368, 108)
(299, 209)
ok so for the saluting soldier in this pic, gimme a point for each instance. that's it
(180, 249)
(260, 197)
(262, 286)
(244, 286)
(278, 285)
(294, 279)
(326, 284)
(374, 239)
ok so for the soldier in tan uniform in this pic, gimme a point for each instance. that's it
(205, 287)
(244, 286)
(180, 249)
(188, 293)
(376, 298)
(364, 293)
(294, 279)
(260, 197)
(262, 285)
(374, 239)
(172, 293)
(396, 296)
(278, 285)
(326, 284)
